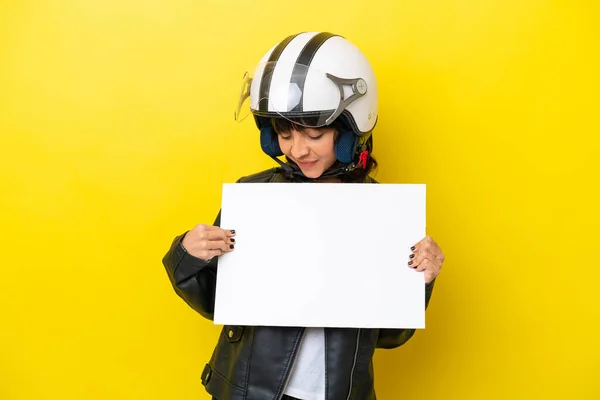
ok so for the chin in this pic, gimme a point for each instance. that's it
(312, 174)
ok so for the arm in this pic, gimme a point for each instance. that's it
(392, 338)
(193, 279)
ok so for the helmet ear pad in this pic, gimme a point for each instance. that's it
(269, 142)
(345, 146)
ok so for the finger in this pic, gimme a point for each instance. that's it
(429, 265)
(211, 235)
(215, 234)
(206, 227)
(214, 245)
(422, 244)
(432, 250)
(227, 235)
(431, 270)
(229, 247)
(423, 255)
(210, 254)
(201, 228)
(429, 245)
(416, 257)
(226, 246)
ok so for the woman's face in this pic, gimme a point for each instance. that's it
(312, 149)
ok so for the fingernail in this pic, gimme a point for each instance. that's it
(232, 240)
(412, 256)
(232, 231)
(231, 246)
(415, 267)
(412, 248)
(410, 263)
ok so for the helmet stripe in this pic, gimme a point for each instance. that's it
(303, 61)
(267, 75)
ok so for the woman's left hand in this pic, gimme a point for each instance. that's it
(426, 256)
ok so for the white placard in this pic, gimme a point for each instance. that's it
(321, 255)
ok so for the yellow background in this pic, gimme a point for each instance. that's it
(117, 131)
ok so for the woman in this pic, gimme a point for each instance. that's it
(314, 99)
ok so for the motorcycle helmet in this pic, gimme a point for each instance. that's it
(314, 79)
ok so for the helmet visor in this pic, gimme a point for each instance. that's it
(242, 109)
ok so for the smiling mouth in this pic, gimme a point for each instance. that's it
(306, 163)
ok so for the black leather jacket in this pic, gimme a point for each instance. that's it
(254, 363)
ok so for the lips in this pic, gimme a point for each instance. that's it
(306, 164)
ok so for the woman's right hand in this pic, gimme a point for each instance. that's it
(207, 241)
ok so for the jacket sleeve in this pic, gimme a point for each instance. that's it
(193, 279)
(392, 338)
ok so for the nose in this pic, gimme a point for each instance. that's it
(299, 147)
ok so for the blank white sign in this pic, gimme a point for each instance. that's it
(321, 255)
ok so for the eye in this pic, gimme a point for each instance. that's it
(285, 137)
(316, 137)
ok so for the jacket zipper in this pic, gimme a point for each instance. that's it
(289, 375)
(354, 364)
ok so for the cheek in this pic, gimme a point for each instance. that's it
(283, 145)
(326, 150)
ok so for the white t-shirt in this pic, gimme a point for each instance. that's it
(307, 381)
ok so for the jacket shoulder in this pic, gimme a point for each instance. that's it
(268, 175)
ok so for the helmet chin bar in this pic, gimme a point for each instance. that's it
(359, 89)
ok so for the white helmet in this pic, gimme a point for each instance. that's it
(312, 78)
